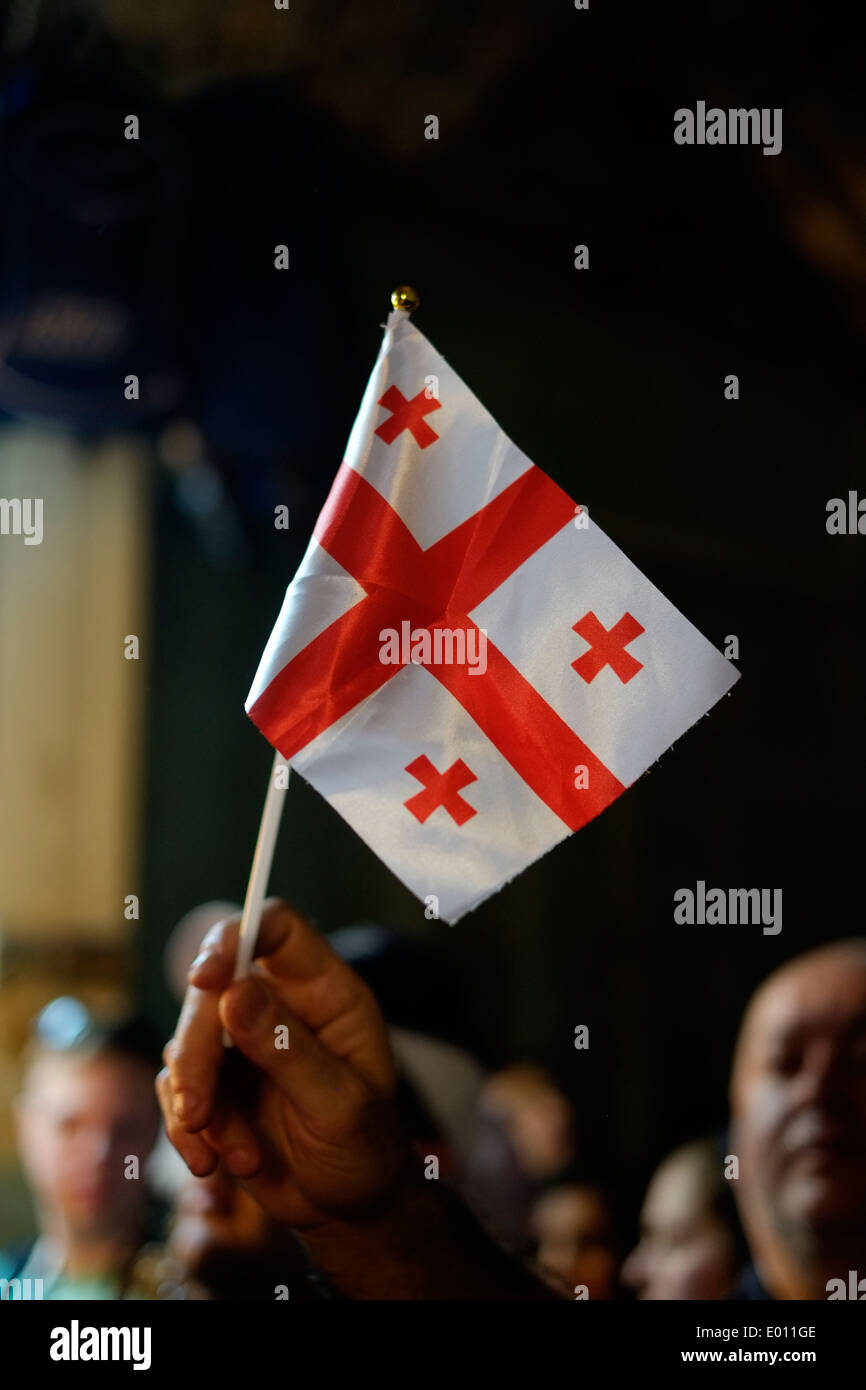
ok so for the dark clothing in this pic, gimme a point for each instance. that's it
(749, 1289)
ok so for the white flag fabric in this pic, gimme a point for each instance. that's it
(465, 665)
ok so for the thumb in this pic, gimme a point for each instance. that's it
(278, 1042)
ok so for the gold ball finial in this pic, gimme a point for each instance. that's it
(404, 297)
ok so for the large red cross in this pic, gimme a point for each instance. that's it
(408, 415)
(440, 789)
(607, 647)
(439, 586)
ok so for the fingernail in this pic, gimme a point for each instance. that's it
(200, 960)
(184, 1103)
(249, 1001)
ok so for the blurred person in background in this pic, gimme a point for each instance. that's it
(86, 1122)
(798, 1103)
(691, 1244)
(539, 1119)
(575, 1231)
(525, 1137)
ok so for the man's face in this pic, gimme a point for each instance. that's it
(79, 1119)
(799, 1096)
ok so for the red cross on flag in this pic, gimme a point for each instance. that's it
(464, 665)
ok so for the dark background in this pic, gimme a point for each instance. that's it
(556, 128)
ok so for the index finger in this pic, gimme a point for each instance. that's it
(214, 965)
(193, 1057)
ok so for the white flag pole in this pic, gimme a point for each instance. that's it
(261, 869)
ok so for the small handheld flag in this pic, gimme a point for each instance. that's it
(465, 666)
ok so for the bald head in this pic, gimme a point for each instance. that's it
(798, 1101)
(811, 991)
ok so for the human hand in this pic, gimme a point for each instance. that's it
(309, 1128)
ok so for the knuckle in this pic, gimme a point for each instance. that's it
(212, 942)
(183, 1059)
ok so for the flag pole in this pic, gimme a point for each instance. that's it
(262, 860)
(261, 870)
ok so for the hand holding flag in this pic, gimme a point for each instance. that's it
(310, 1126)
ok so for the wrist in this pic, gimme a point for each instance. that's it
(378, 1251)
(419, 1242)
(403, 1188)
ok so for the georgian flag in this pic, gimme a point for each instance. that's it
(464, 665)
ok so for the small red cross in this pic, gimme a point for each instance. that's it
(440, 789)
(408, 415)
(607, 647)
